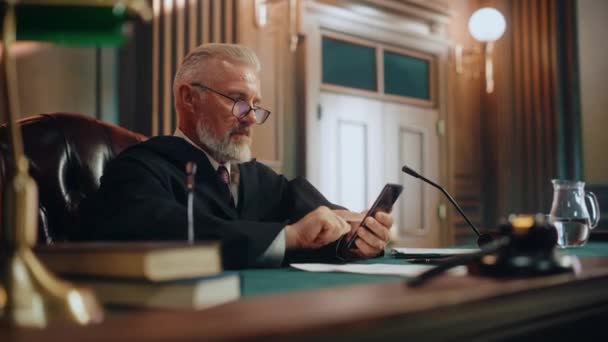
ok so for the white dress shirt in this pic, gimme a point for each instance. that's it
(274, 254)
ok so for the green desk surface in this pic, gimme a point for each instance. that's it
(273, 281)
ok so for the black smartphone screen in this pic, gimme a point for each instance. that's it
(388, 196)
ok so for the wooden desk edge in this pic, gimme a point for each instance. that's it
(389, 309)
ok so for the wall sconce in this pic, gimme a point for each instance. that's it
(261, 13)
(486, 25)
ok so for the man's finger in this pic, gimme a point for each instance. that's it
(372, 239)
(349, 216)
(324, 237)
(385, 219)
(332, 230)
(365, 249)
(377, 229)
(344, 227)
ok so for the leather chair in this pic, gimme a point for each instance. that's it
(67, 154)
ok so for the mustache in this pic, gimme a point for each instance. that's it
(244, 130)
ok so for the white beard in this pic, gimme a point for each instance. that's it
(224, 149)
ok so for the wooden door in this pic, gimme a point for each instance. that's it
(373, 97)
(410, 139)
(363, 143)
(350, 144)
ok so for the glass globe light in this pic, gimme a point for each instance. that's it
(487, 24)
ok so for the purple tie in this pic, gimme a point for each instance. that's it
(223, 179)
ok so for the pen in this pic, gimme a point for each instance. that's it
(419, 256)
(425, 261)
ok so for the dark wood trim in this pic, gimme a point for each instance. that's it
(173, 64)
(301, 109)
(518, 118)
(199, 19)
(568, 88)
(547, 105)
(98, 83)
(601, 192)
(135, 79)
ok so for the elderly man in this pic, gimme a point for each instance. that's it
(261, 218)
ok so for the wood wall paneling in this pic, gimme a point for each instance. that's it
(154, 125)
(177, 27)
(538, 119)
(568, 91)
(204, 24)
(519, 120)
(107, 92)
(276, 138)
(463, 125)
(55, 78)
(193, 31)
(180, 25)
(167, 65)
(528, 126)
(593, 63)
(591, 27)
(502, 149)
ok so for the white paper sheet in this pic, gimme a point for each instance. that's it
(442, 251)
(407, 270)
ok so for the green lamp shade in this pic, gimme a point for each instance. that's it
(71, 25)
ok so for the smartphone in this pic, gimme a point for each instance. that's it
(388, 196)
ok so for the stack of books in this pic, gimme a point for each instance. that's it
(154, 275)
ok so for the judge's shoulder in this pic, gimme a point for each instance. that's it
(175, 150)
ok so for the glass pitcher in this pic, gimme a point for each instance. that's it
(569, 212)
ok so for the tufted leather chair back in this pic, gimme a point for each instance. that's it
(67, 154)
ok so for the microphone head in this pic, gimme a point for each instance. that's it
(409, 171)
(190, 168)
(484, 239)
(190, 172)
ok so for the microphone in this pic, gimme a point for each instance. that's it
(190, 172)
(482, 239)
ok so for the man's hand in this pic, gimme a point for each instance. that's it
(372, 240)
(320, 227)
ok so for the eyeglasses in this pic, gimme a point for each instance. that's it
(240, 108)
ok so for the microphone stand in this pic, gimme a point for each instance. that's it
(525, 249)
(190, 173)
(482, 239)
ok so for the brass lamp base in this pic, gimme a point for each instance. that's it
(37, 298)
(30, 296)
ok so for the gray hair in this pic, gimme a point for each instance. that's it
(231, 52)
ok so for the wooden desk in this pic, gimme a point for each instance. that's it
(448, 308)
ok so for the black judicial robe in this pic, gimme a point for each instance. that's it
(142, 197)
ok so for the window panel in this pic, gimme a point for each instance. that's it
(349, 65)
(406, 76)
